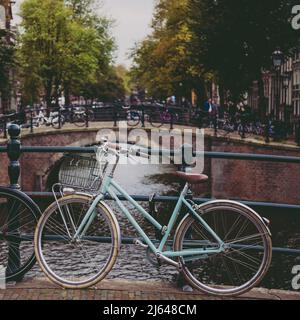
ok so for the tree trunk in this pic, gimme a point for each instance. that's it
(48, 95)
(67, 94)
(201, 92)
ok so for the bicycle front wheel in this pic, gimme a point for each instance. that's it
(79, 120)
(247, 253)
(84, 261)
(57, 123)
(243, 132)
(18, 219)
(156, 119)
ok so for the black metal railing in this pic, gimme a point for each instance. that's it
(115, 112)
(29, 118)
(14, 149)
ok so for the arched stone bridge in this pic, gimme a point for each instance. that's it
(235, 179)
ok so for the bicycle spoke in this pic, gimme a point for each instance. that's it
(240, 264)
(17, 225)
(80, 260)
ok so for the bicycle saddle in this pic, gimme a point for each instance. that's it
(192, 178)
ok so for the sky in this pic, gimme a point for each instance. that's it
(132, 22)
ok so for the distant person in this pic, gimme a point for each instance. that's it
(171, 101)
(212, 111)
(208, 106)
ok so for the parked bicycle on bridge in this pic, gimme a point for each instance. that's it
(156, 115)
(221, 247)
(55, 119)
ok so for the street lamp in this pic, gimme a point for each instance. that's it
(278, 60)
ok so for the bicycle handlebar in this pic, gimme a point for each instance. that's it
(116, 149)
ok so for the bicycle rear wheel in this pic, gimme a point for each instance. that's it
(247, 255)
(18, 219)
(133, 118)
(82, 262)
(79, 120)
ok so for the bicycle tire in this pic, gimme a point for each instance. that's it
(244, 134)
(133, 118)
(27, 223)
(155, 119)
(56, 124)
(79, 121)
(217, 265)
(61, 276)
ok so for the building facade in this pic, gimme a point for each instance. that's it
(5, 24)
(281, 91)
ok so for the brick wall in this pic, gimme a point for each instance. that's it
(255, 180)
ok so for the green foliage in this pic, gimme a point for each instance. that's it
(63, 47)
(162, 62)
(122, 73)
(108, 87)
(196, 41)
(235, 38)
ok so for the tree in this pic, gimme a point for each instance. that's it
(108, 87)
(162, 62)
(235, 38)
(122, 73)
(61, 49)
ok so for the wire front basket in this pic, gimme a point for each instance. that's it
(82, 173)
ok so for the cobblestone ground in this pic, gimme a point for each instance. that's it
(41, 289)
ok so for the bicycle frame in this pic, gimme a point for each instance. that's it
(110, 186)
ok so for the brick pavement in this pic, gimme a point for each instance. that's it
(42, 289)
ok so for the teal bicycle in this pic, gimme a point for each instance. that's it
(221, 247)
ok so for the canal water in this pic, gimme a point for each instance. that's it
(133, 263)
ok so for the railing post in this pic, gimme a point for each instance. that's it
(71, 114)
(5, 127)
(143, 116)
(298, 132)
(59, 118)
(86, 117)
(31, 120)
(13, 152)
(172, 119)
(115, 107)
(243, 131)
(267, 131)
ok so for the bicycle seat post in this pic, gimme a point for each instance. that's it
(187, 156)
